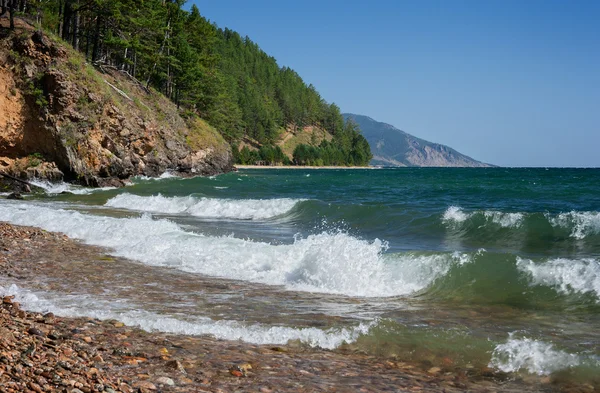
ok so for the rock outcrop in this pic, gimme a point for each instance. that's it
(62, 117)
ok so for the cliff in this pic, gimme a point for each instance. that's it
(62, 118)
(393, 147)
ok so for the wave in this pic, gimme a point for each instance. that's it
(581, 224)
(330, 262)
(61, 187)
(326, 262)
(577, 225)
(163, 176)
(455, 216)
(536, 357)
(565, 275)
(244, 209)
(498, 278)
(133, 315)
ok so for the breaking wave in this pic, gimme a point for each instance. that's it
(565, 275)
(133, 315)
(61, 187)
(326, 262)
(244, 209)
(577, 225)
(536, 357)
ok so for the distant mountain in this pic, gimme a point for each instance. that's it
(393, 147)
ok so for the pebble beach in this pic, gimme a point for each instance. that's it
(49, 353)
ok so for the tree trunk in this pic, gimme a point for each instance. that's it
(134, 63)
(88, 30)
(168, 92)
(11, 10)
(23, 6)
(4, 9)
(60, 19)
(124, 60)
(162, 48)
(76, 17)
(67, 19)
(96, 46)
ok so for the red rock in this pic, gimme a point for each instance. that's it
(35, 387)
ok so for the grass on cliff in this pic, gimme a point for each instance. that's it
(203, 136)
(307, 136)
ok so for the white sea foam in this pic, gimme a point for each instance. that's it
(245, 209)
(57, 188)
(566, 275)
(84, 306)
(505, 220)
(326, 262)
(455, 216)
(536, 357)
(165, 175)
(581, 224)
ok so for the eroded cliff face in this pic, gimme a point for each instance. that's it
(61, 116)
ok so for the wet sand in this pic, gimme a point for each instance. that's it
(54, 354)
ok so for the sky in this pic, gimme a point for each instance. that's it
(511, 83)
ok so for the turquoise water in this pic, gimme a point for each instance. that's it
(451, 267)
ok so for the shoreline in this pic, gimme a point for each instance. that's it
(88, 354)
(301, 167)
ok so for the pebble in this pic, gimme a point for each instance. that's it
(144, 385)
(165, 381)
(36, 332)
(175, 365)
(64, 361)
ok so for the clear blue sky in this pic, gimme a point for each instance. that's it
(513, 83)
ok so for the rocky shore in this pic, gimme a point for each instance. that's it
(42, 352)
(62, 118)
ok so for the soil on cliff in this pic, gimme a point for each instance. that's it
(62, 118)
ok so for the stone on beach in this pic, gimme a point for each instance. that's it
(73, 355)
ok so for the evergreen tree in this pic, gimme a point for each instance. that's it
(215, 73)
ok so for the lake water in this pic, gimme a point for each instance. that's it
(486, 267)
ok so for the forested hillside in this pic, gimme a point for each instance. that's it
(212, 72)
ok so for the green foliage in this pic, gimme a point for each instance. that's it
(34, 160)
(214, 73)
(348, 148)
(37, 93)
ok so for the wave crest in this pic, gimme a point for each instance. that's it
(58, 188)
(244, 209)
(536, 357)
(577, 225)
(566, 275)
(454, 216)
(581, 224)
(326, 262)
(132, 315)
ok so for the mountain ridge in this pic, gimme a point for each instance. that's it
(394, 147)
